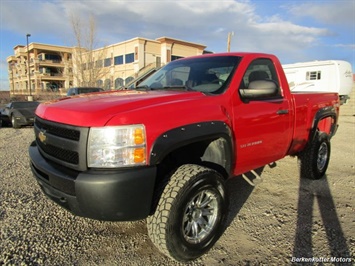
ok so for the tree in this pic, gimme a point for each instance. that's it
(88, 67)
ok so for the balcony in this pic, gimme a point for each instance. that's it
(52, 76)
(50, 63)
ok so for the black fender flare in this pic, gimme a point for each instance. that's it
(322, 113)
(182, 136)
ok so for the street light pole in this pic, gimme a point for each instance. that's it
(230, 34)
(28, 64)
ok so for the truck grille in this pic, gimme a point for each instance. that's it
(59, 131)
(61, 143)
(62, 154)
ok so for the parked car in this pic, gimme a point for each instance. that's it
(19, 114)
(81, 90)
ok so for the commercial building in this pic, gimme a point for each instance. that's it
(55, 68)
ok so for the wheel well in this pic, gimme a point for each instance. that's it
(213, 153)
(326, 124)
(325, 120)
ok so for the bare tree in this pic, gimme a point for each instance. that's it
(88, 67)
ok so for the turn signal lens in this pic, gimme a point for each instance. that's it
(139, 155)
(138, 136)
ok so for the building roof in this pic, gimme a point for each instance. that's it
(173, 40)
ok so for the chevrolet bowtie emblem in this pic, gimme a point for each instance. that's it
(42, 137)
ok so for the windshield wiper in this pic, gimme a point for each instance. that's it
(147, 88)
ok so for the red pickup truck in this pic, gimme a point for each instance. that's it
(164, 149)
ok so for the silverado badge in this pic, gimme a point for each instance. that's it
(42, 137)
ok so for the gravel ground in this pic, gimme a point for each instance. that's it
(281, 221)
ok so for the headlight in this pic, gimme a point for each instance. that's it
(120, 146)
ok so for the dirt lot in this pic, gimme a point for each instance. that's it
(281, 221)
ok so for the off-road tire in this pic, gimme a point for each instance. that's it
(315, 158)
(179, 208)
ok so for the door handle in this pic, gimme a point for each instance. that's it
(282, 112)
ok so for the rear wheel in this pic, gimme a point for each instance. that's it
(315, 158)
(190, 214)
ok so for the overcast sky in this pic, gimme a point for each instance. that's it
(295, 31)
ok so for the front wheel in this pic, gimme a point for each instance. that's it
(315, 158)
(14, 122)
(190, 214)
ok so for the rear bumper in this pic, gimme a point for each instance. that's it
(117, 195)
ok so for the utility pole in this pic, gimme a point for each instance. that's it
(28, 64)
(230, 34)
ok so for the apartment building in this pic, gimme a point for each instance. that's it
(50, 68)
(57, 68)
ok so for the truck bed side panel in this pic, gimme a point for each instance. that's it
(306, 107)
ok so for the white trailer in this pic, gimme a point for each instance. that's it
(322, 76)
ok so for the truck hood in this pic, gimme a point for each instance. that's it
(97, 109)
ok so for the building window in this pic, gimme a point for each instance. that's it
(129, 58)
(98, 64)
(313, 75)
(52, 57)
(107, 84)
(136, 53)
(107, 62)
(118, 60)
(129, 79)
(99, 83)
(118, 83)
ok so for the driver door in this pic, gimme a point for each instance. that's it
(263, 126)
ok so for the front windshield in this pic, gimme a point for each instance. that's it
(204, 74)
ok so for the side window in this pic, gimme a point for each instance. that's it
(313, 75)
(259, 69)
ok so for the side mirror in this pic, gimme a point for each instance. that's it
(260, 89)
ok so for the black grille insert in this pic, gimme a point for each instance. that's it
(61, 154)
(58, 130)
(61, 143)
